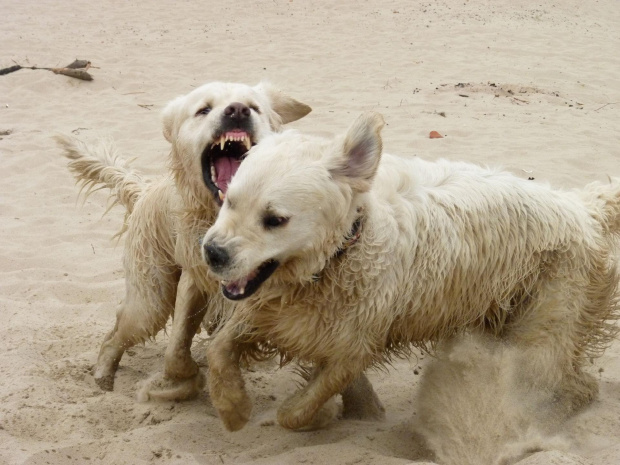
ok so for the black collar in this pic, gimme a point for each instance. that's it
(351, 238)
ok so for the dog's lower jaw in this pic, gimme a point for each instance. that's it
(248, 285)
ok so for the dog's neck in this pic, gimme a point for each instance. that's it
(349, 240)
(195, 196)
(353, 235)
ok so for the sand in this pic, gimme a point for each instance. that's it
(534, 88)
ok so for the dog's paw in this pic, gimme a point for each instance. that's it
(103, 379)
(325, 416)
(235, 419)
(234, 409)
(160, 388)
(295, 414)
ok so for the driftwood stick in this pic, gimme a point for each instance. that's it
(77, 69)
(10, 69)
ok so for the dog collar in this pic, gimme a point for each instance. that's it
(351, 238)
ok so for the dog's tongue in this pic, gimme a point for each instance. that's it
(225, 168)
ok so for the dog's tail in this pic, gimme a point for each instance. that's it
(604, 200)
(98, 166)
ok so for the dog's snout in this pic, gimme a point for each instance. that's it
(237, 111)
(217, 257)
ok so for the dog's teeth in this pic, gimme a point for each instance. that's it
(222, 143)
(242, 290)
(223, 282)
(221, 195)
(247, 142)
(213, 173)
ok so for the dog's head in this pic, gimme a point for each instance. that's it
(290, 206)
(212, 128)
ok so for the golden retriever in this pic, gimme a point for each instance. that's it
(342, 260)
(210, 130)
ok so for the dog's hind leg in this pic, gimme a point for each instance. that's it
(360, 401)
(137, 319)
(181, 378)
(560, 329)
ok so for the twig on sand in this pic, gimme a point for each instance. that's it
(10, 69)
(610, 103)
(77, 69)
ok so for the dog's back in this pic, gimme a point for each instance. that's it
(478, 239)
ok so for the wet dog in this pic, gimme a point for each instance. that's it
(343, 257)
(211, 130)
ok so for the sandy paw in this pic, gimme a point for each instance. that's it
(293, 415)
(104, 381)
(234, 409)
(158, 387)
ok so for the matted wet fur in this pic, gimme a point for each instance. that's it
(439, 248)
(210, 130)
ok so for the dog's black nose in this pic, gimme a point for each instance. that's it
(237, 111)
(217, 257)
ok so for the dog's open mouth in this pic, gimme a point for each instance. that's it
(221, 160)
(246, 286)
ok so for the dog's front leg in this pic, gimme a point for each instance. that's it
(226, 385)
(189, 311)
(181, 378)
(329, 379)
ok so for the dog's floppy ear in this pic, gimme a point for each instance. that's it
(357, 157)
(171, 118)
(287, 108)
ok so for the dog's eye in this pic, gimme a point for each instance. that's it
(255, 108)
(271, 221)
(204, 111)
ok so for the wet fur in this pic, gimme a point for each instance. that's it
(446, 247)
(165, 218)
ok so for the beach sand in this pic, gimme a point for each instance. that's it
(534, 88)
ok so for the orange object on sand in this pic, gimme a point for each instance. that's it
(435, 135)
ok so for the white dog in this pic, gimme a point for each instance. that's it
(345, 261)
(210, 130)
